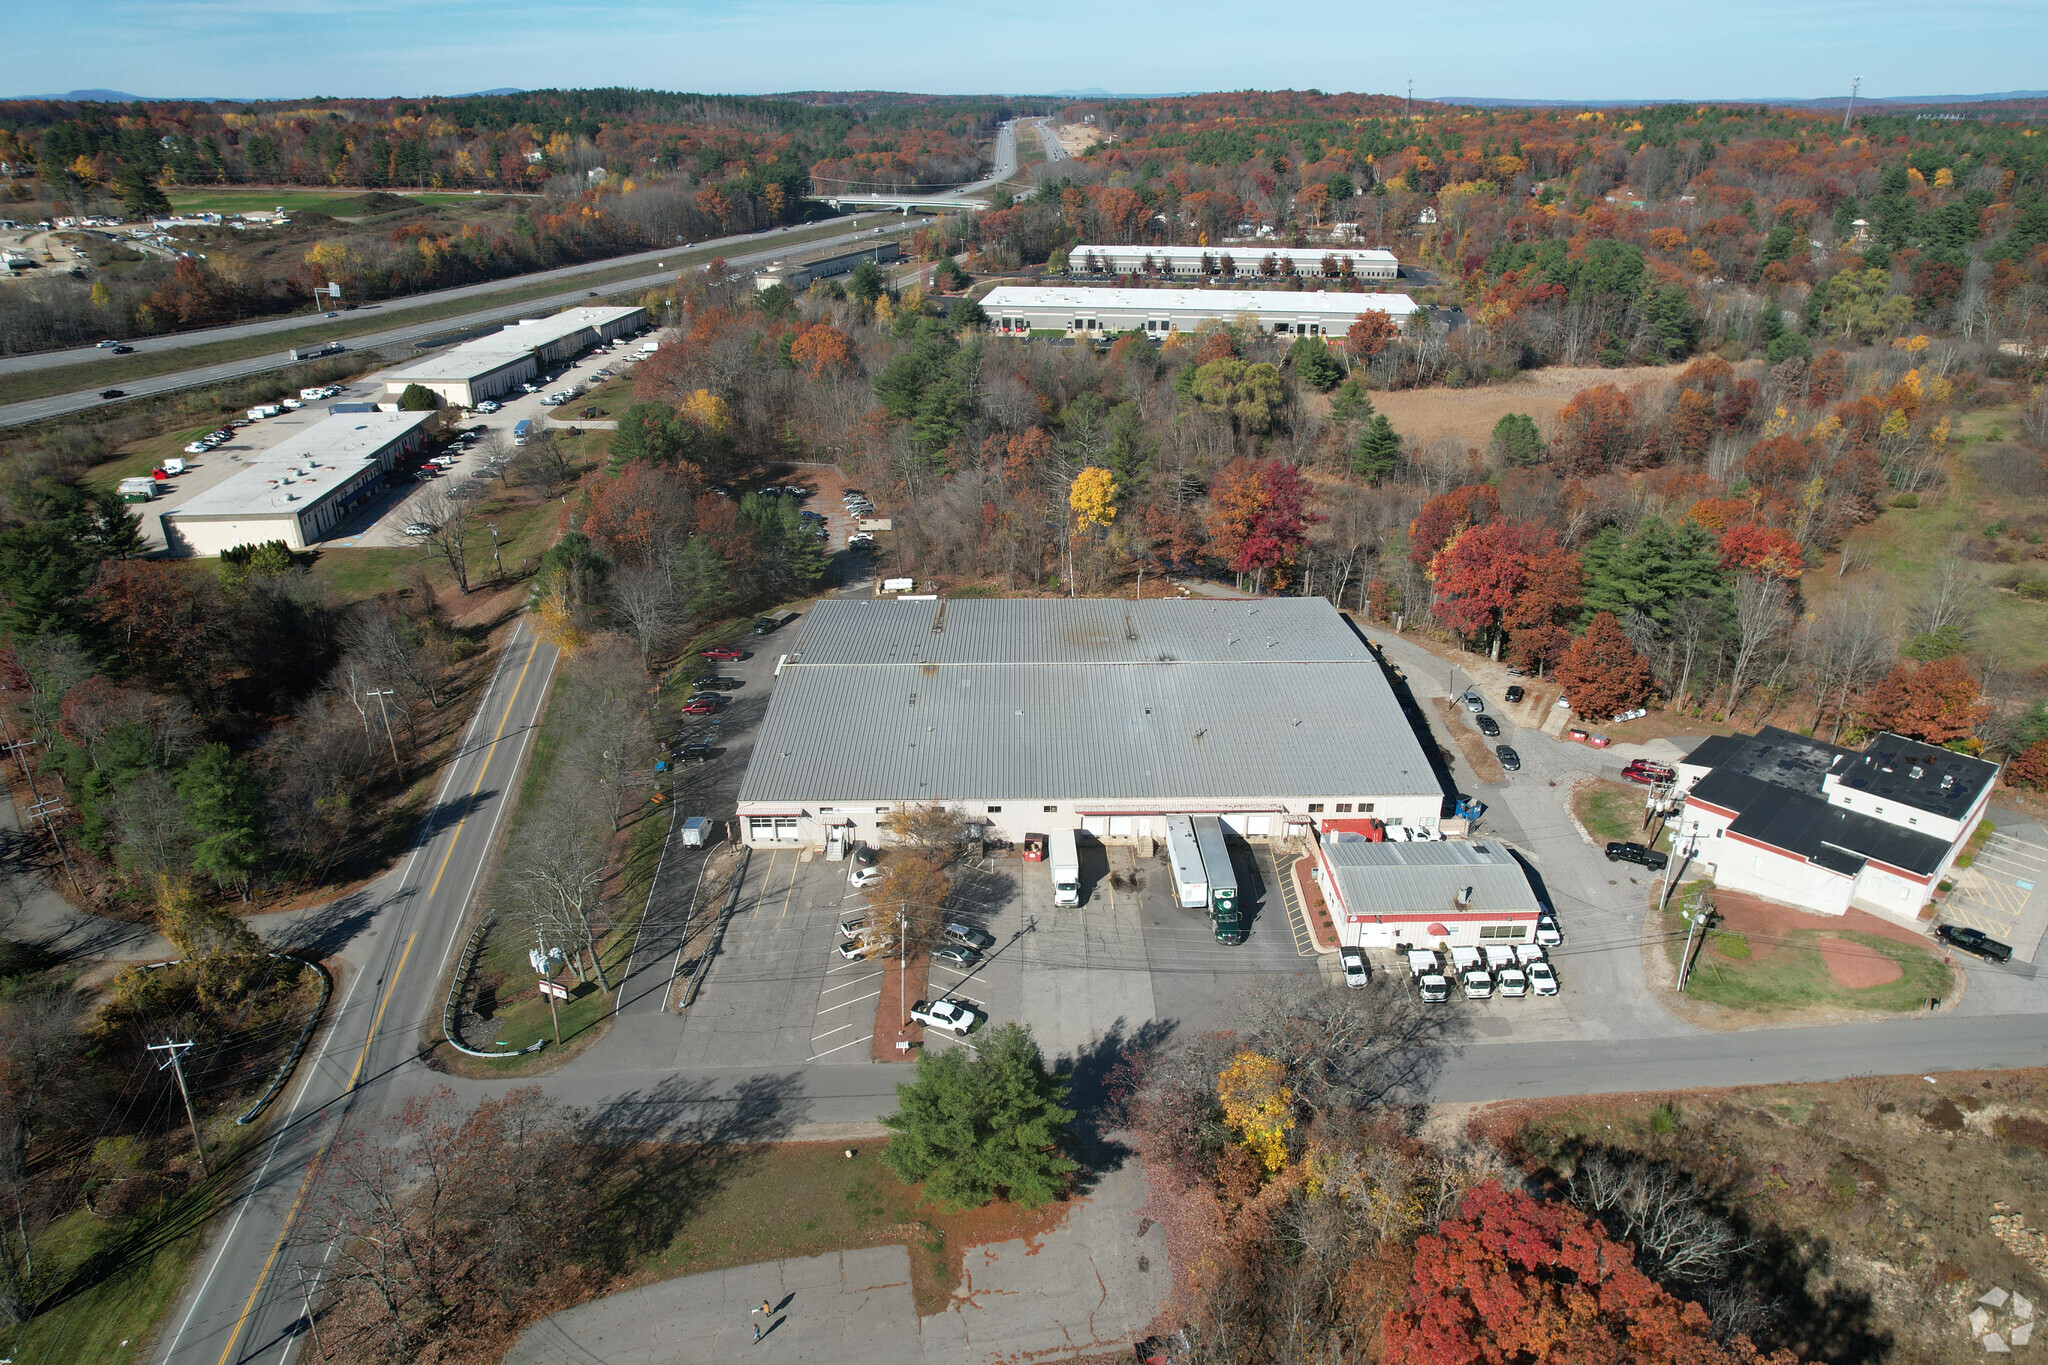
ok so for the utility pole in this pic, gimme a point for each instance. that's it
(903, 958)
(1854, 86)
(306, 1283)
(385, 712)
(176, 1051)
(497, 566)
(1678, 853)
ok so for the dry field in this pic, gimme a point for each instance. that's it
(1469, 414)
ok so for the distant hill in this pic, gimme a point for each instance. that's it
(123, 97)
(1825, 102)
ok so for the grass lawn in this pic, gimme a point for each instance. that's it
(150, 361)
(1792, 975)
(1906, 544)
(806, 1199)
(338, 203)
(1610, 811)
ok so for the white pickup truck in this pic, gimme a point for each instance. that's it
(954, 1016)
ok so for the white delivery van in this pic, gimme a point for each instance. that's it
(1065, 857)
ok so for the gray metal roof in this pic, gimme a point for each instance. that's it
(1078, 700)
(1425, 878)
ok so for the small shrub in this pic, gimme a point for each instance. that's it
(1734, 947)
(2021, 1131)
(1663, 1120)
(1906, 500)
(1943, 1116)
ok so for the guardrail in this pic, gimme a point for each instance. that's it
(462, 968)
(284, 1071)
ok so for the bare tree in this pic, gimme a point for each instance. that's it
(1951, 599)
(1847, 647)
(548, 464)
(557, 876)
(447, 518)
(1760, 617)
(498, 452)
(648, 604)
(1676, 1236)
(1692, 621)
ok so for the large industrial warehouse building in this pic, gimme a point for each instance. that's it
(300, 489)
(1199, 262)
(1016, 309)
(1032, 715)
(497, 364)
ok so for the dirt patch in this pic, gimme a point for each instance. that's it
(1855, 966)
(1469, 415)
(1766, 924)
(1077, 138)
(1470, 742)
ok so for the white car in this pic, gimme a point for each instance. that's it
(419, 528)
(864, 876)
(1548, 935)
(1356, 972)
(1433, 988)
(487, 406)
(1541, 979)
(954, 1016)
(197, 448)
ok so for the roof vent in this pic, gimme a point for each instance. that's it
(1918, 772)
(1948, 782)
(1462, 898)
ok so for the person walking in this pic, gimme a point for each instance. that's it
(757, 1333)
(765, 1309)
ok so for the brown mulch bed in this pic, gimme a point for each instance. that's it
(892, 1010)
(1319, 921)
(1470, 742)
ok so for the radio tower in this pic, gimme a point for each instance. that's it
(1854, 86)
(1406, 100)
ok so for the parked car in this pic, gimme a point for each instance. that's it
(957, 954)
(1356, 971)
(863, 856)
(696, 751)
(1477, 984)
(1542, 980)
(1512, 981)
(1432, 989)
(859, 949)
(853, 926)
(420, 528)
(700, 706)
(1509, 759)
(719, 684)
(1488, 726)
(197, 448)
(487, 406)
(978, 939)
(1473, 701)
(954, 1016)
(1974, 941)
(722, 652)
(1548, 935)
(1637, 854)
(863, 876)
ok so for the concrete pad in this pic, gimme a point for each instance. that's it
(2022, 1334)
(2022, 1306)
(1995, 1345)
(1993, 1297)
(1979, 1320)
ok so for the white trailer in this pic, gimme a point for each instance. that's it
(1065, 858)
(1190, 883)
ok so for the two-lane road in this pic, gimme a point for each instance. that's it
(246, 1299)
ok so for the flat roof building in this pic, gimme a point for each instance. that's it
(1445, 893)
(1248, 262)
(1082, 311)
(1032, 715)
(796, 276)
(300, 489)
(498, 363)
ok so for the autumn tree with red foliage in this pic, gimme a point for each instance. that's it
(1512, 1279)
(1483, 574)
(1595, 431)
(1762, 550)
(1602, 673)
(1370, 335)
(1937, 703)
(2030, 769)
(1539, 620)
(1260, 519)
(1447, 514)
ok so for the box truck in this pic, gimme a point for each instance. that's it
(1224, 915)
(1066, 868)
(1190, 886)
(522, 430)
(139, 489)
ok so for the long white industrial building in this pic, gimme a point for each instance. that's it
(1269, 262)
(300, 489)
(1018, 309)
(500, 362)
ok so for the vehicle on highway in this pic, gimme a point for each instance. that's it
(722, 652)
(979, 939)
(333, 315)
(112, 393)
(1509, 759)
(700, 706)
(106, 345)
(1637, 854)
(1473, 701)
(124, 350)
(1974, 941)
(1488, 726)
(1515, 695)
(1356, 972)
(954, 1016)
(955, 954)
(1542, 980)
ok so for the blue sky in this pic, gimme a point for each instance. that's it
(1511, 48)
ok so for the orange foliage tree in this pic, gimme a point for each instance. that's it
(1370, 335)
(1514, 1279)
(1594, 431)
(1762, 550)
(1937, 702)
(822, 349)
(1601, 673)
(2030, 769)
(1447, 514)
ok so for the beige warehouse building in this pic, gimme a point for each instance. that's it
(493, 366)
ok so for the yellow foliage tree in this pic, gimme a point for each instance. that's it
(554, 616)
(1259, 1104)
(707, 412)
(1093, 497)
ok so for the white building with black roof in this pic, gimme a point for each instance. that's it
(1829, 829)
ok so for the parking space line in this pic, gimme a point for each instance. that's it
(844, 984)
(855, 1001)
(830, 1031)
(796, 870)
(841, 1048)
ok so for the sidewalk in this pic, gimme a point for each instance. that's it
(1089, 1285)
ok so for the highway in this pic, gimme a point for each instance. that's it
(244, 1300)
(58, 405)
(959, 196)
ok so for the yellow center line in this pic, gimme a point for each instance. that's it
(312, 1170)
(483, 768)
(794, 868)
